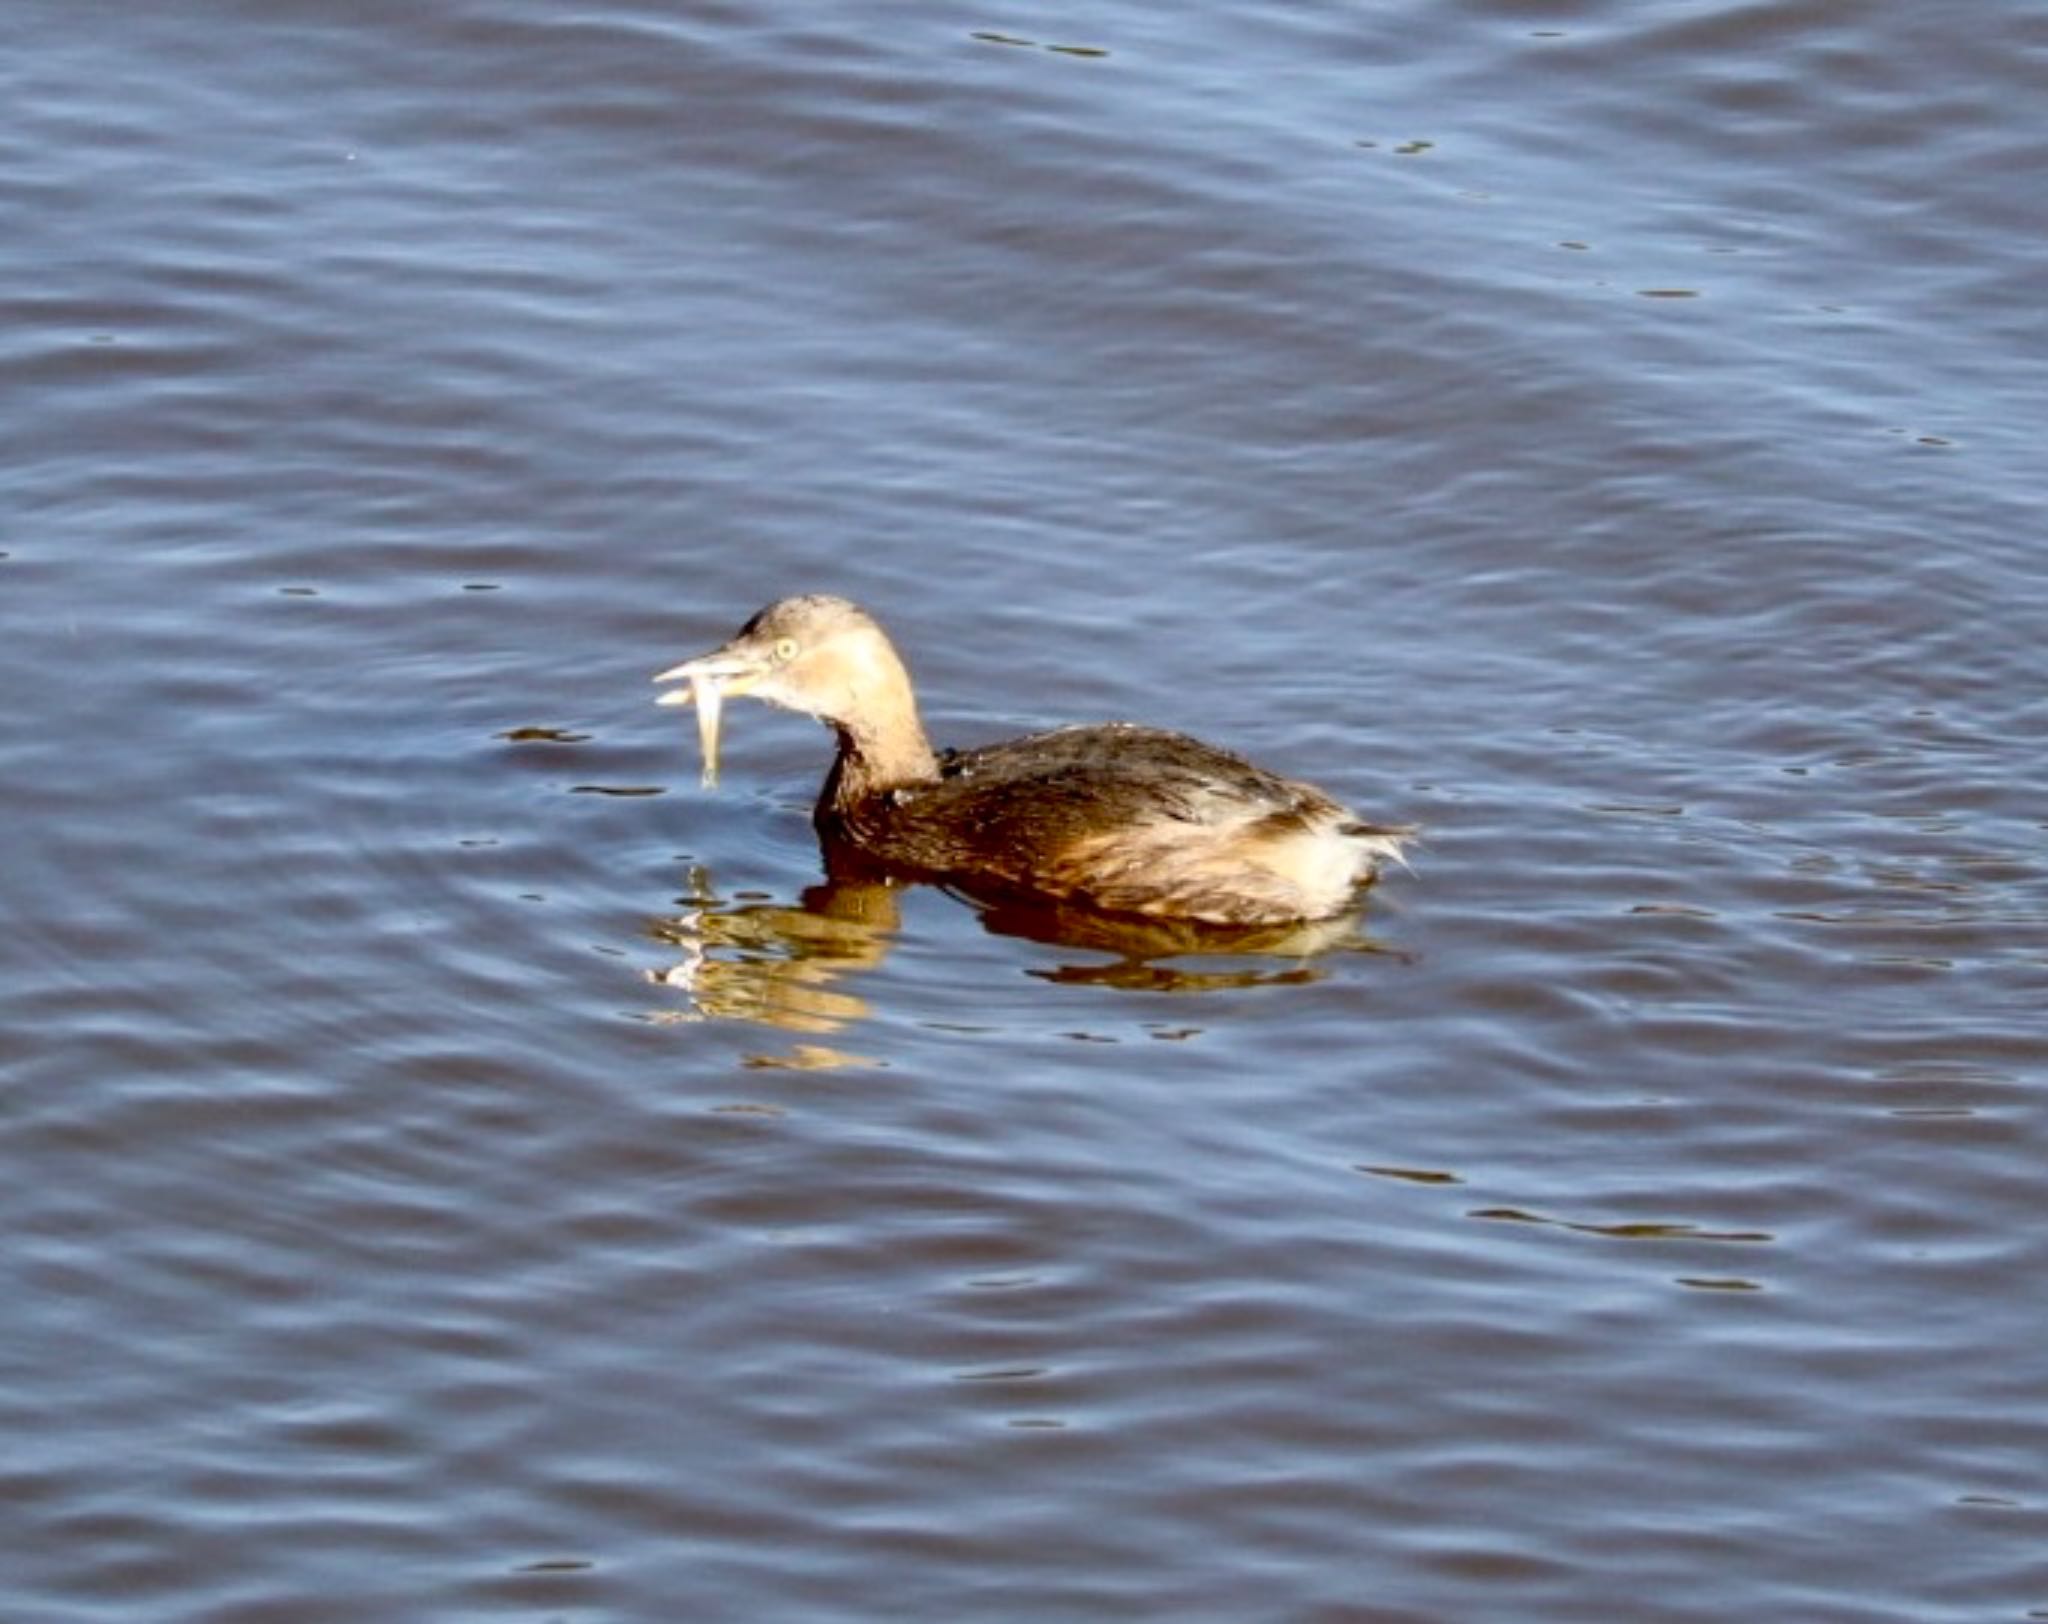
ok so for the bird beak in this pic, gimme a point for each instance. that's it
(711, 677)
(732, 671)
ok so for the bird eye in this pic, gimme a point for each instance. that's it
(785, 649)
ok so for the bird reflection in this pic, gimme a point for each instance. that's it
(774, 962)
(792, 965)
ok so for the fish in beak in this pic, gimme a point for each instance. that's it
(711, 677)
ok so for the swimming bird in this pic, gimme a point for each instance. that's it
(1113, 816)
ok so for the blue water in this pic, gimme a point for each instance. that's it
(454, 1166)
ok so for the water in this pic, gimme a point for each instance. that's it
(453, 1169)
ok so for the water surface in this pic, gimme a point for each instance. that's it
(455, 1167)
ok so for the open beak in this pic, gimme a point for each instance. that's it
(710, 677)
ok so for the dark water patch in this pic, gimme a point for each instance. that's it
(1655, 1231)
(1413, 1175)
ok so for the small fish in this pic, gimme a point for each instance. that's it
(710, 698)
(707, 680)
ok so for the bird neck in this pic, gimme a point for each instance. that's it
(883, 750)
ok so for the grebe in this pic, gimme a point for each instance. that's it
(1113, 816)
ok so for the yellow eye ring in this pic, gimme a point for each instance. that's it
(785, 649)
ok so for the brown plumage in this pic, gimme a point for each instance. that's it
(1113, 816)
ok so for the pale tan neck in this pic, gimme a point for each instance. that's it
(882, 745)
(874, 760)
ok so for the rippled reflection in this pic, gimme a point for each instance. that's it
(1142, 949)
(779, 963)
(775, 963)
